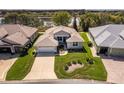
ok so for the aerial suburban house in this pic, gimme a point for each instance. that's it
(14, 37)
(59, 36)
(108, 39)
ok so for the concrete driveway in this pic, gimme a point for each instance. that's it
(6, 61)
(43, 67)
(115, 69)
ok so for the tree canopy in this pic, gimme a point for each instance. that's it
(91, 19)
(61, 18)
(22, 18)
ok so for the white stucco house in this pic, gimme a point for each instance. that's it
(109, 39)
(57, 36)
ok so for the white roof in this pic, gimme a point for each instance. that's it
(97, 30)
(102, 37)
(111, 35)
(122, 34)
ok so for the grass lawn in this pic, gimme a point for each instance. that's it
(89, 71)
(21, 67)
(94, 71)
(84, 36)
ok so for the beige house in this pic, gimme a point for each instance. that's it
(59, 36)
(14, 37)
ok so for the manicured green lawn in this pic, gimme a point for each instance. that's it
(21, 67)
(89, 71)
(95, 71)
(84, 36)
(85, 44)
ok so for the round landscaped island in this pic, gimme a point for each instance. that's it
(72, 66)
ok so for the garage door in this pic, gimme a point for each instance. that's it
(46, 49)
(117, 52)
(5, 50)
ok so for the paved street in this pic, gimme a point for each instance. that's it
(55, 81)
(43, 67)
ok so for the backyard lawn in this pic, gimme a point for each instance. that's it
(21, 67)
(94, 71)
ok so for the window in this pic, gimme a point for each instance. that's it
(59, 38)
(75, 43)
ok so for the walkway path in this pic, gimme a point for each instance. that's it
(93, 50)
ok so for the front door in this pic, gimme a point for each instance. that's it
(64, 39)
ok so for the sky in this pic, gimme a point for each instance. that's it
(61, 4)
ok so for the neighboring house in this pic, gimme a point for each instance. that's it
(48, 23)
(14, 37)
(59, 36)
(109, 39)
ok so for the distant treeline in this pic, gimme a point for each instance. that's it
(88, 18)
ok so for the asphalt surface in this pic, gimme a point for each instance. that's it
(56, 81)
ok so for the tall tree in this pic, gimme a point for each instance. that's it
(75, 23)
(11, 18)
(61, 18)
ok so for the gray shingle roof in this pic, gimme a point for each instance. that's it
(3, 33)
(15, 33)
(95, 31)
(118, 44)
(3, 43)
(48, 38)
(13, 28)
(108, 42)
(122, 34)
(63, 29)
(111, 35)
(75, 38)
(17, 38)
(102, 37)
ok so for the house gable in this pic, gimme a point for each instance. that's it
(61, 33)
